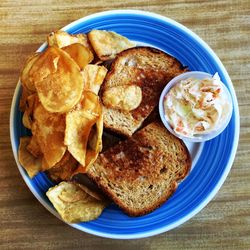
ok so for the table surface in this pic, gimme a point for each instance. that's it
(224, 223)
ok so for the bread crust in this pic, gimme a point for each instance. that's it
(139, 162)
(146, 67)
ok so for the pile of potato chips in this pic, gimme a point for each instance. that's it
(62, 109)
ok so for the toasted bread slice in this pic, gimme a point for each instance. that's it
(141, 173)
(148, 68)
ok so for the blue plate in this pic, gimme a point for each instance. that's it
(211, 165)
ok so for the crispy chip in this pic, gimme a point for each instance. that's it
(74, 204)
(28, 113)
(81, 54)
(25, 78)
(94, 146)
(57, 79)
(27, 123)
(107, 43)
(79, 123)
(93, 76)
(34, 148)
(64, 169)
(62, 39)
(94, 143)
(23, 100)
(97, 195)
(31, 164)
(49, 131)
(125, 97)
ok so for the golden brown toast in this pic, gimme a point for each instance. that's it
(141, 173)
(148, 68)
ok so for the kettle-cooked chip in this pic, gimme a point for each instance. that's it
(74, 204)
(62, 39)
(34, 148)
(23, 100)
(57, 79)
(25, 78)
(64, 169)
(26, 119)
(79, 123)
(95, 139)
(95, 194)
(108, 44)
(94, 146)
(81, 54)
(28, 112)
(93, 76)
(31, 164)
(125, 97)
(48, 129)
(94, 143)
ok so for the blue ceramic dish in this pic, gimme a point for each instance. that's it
(213, 159)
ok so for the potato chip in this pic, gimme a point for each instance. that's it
(34, 148)
(57, 79)
(125, 97)
(97, 195)
(62, 39)
(30, 163)
(108, 44)
(95, 142)
(28, 113)
(83, 39)
(25, 78)
(23, 100)
(93, 76)
(48, 128)
(81, 54)
(79, 123)
(64, 169)
(27, 123)
(94, 146)
(74, 204)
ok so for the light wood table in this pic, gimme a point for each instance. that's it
(224, 223)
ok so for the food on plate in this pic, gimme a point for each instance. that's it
(68, 96)
(48, 128)
(23, 99)
(29, 106)
(57, 80)
(31, 164)
(148, 68)
(80, 54)
(64, 169)
(74, 204)
(196, 106)
(141, 173)
(94, 146)
(93, 76)
(79, 123)
(125, 97)
(57, 92)
(33, 147)
(25, 79)
(62, 39)
(107, 44)
(28, 87)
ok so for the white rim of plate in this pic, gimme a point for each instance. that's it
(218, 185)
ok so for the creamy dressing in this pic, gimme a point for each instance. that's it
(196, 106)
